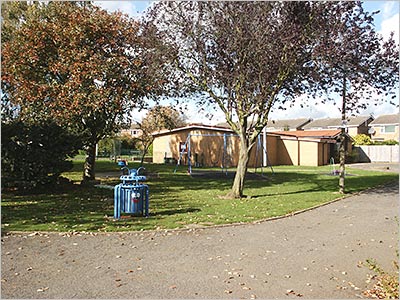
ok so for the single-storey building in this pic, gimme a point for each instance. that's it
(306, 148)
(219, 147)
(385, 127)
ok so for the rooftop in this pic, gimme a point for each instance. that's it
(386, 120)
(337, 122)
(193, 126)
(320, 134)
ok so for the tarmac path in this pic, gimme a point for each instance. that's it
(315, 254)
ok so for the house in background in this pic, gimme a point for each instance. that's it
(280, 125)
(355, 125)
(385, 127)
(133, 131)
(287, 125)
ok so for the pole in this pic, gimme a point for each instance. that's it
(188, 153)
(265, 162)
(342, 147)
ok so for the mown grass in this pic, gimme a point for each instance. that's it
(178, 200)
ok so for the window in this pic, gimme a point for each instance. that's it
(388, 129)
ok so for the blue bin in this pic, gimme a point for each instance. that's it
(130, 196)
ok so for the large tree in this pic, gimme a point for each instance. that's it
(245, 57)
(248, 57)
(354, 63)
(79, 65)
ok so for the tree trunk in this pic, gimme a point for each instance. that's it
(88, 169)
(342, 147)
(342, 159)
(238, 182)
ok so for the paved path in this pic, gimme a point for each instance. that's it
(314, 254)
(377, 166)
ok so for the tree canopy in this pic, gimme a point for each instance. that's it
(79, 65)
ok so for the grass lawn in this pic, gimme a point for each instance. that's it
(178, 200)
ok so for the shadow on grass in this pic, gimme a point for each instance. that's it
(170, 212)
(172, 197)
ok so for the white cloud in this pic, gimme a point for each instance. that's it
(307, 108)
(127, 7)
(389, 25)
(388, 8)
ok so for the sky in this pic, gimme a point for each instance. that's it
(386, 21)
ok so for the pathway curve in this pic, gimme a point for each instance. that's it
(315, 254)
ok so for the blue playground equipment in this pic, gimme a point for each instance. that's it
(122, 163)
(131, 196)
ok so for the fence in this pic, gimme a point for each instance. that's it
(381, 153)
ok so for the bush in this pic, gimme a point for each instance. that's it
(34, 155)
(362, 139)
(388, 142)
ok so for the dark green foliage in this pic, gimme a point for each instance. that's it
(387, 142)
(34, 155)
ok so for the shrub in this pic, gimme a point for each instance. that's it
(35, 154)
(362, 139)
(388, 142)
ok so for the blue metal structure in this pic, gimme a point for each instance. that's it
(131, 196)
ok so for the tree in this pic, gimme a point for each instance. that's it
(353, 61)
(81, 66)
(243, 57)
(34, 155)
(158, 118)
(247, 57)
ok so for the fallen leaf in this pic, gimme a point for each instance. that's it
(246, 288)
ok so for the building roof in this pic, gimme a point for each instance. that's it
(386, 120)
(319, 134)
(337, 122)
(193, 127)
(289, 123)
